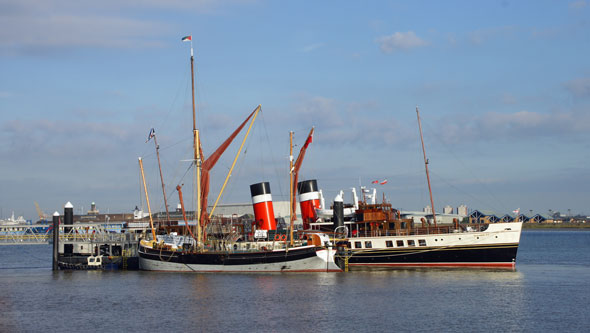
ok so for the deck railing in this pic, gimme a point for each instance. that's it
(422, 231)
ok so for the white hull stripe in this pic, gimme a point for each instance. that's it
(322, 262)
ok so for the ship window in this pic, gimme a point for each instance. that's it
(391, 226)
(358, 245)
(400, 243)
(422, 242)
(389, 243)
(348, 245)
(368, 244)
(411, 242)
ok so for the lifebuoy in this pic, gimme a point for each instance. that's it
(277, 237)
(283, 237)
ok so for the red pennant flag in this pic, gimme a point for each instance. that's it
(309, 140)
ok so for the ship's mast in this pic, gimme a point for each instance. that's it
(197, 153)
(426, 167)
(291, 198)
(147, 199)
(161, 176)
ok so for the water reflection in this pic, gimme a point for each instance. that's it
(546, 292)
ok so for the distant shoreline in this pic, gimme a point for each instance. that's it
(579, 226)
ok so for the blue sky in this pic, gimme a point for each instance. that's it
(503, 89)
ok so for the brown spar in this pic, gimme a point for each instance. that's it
(297, 166)
(179, 189)
(210, 163)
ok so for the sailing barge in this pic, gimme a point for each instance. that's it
(259, 256)
(264, 251)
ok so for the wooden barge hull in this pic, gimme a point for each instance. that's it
(302, 259)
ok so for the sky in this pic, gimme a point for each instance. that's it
(503, 90)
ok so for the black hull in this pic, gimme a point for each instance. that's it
(228, 258)
(497, 255)
(80, 262)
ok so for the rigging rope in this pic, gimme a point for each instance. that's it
(475, 177)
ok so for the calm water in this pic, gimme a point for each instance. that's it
(549, 291)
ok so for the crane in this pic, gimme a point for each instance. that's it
(42, 216)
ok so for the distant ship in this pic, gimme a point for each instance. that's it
(12, 221)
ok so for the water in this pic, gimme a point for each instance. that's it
(549, 291)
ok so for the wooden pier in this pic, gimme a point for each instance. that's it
(79, 244)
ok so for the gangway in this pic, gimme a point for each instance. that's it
(104, 233)
(25, 234)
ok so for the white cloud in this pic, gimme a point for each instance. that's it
(6, 94)
(578, 4)
(351, 123)
(579, 87)
(400, 41)
(497, 126)
(508, 99)
(59, 138)
(39, 26)
(34, 30)
(480, 36)
(312, 47)
(366, 124)
(522, 119)
(79, 31)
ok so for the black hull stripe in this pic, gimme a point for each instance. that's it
(228, 259)
(497, 254)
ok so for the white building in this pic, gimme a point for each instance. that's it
(462, 211)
